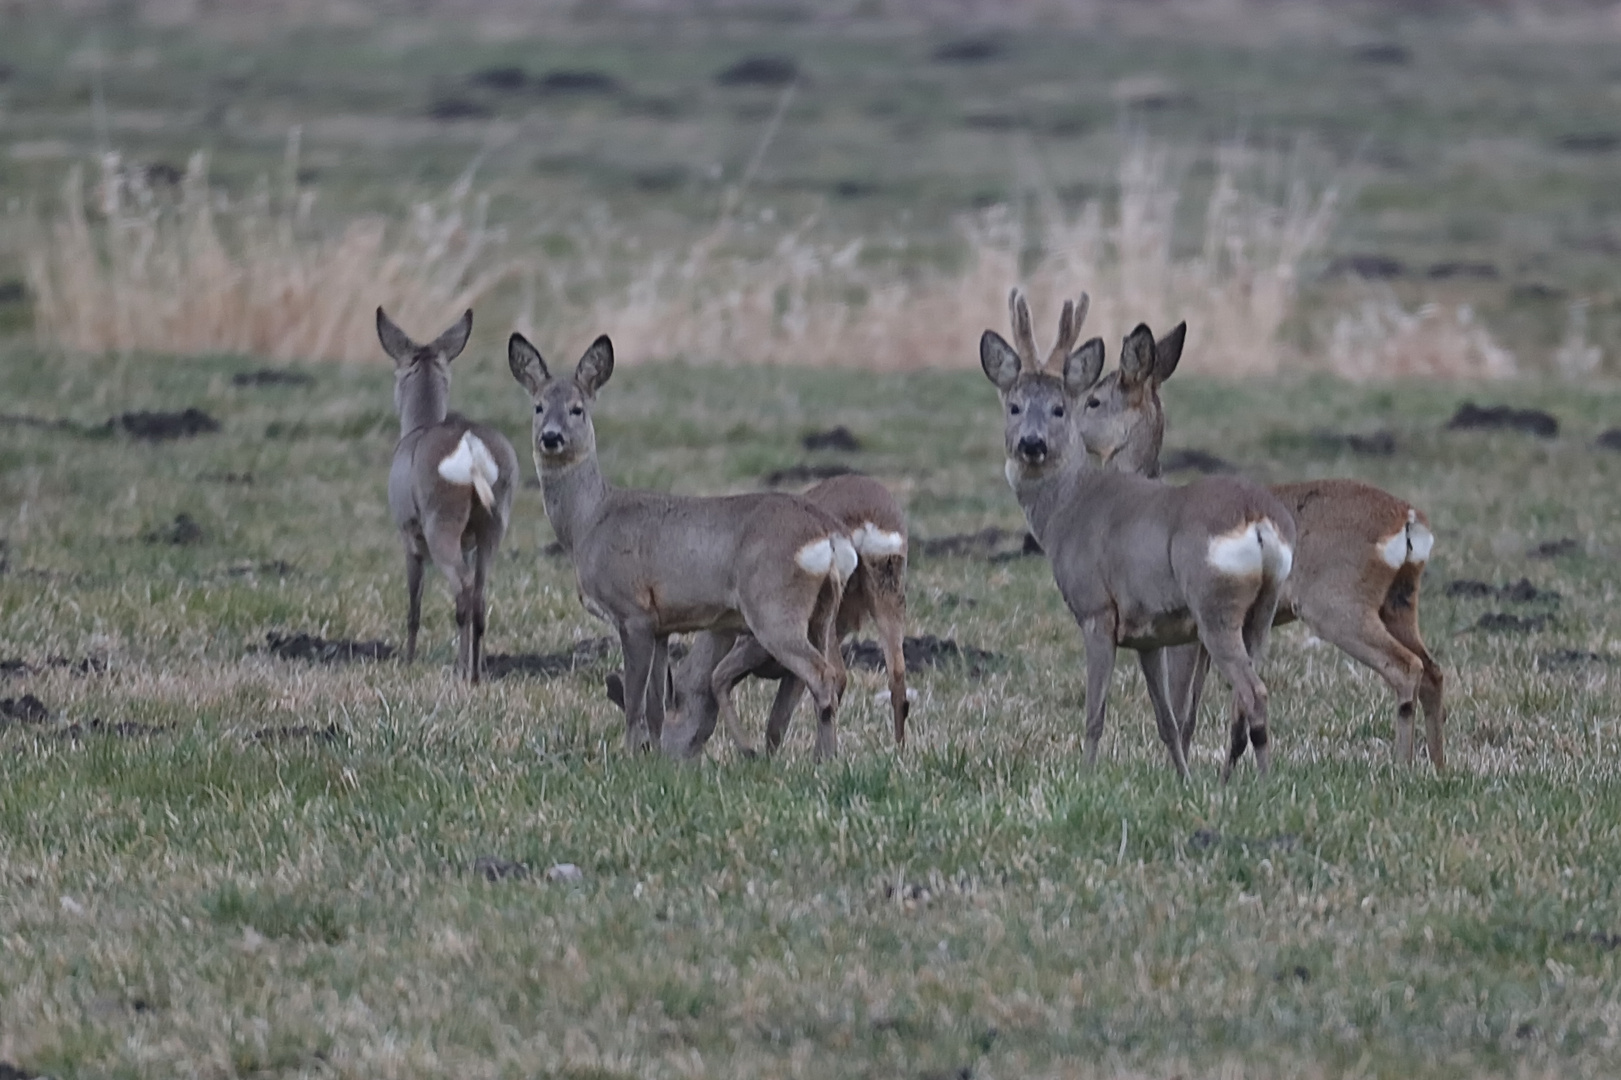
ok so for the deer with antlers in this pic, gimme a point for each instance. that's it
(449, 487)
(1140, 563)
(1358, 564)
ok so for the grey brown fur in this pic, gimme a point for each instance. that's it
(1341, 585)
(653, 564)
(1131, 555)
(450, 523)
(876, 591)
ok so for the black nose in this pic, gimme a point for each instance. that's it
(1033, 448)
(551, 440)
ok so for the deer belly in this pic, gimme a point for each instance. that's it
(1157, 631)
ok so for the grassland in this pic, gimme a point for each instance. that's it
(210, 882)
(218, 862)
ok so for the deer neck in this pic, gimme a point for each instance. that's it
(575, 496)
(1043, 495)
(422, 399)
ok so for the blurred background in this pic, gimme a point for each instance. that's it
(1374, 189)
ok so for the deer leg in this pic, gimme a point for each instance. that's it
(1099, 634)
(693, 696)
(657, 687)
(889, 612)
(803, 660)
(481, 563)
(445, 548)
(414, 563)
(746, 655)
(1153, 663)
(824, 637)
(1228, 653)
(789, 691)
(1185, 667)
(637, 642)
(1365, 639)
(1399, 613)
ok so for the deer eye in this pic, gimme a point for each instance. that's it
(577, 410)
(1094, 403)
(539, 409)
(1015, 409)
(1058, 411)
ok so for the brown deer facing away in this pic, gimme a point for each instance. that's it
(653, 564)
(1358, 563)
(449, 487)
(877, 591)
(1140, 563)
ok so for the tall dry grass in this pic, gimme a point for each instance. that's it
(804, 301)
(1381, 340)
(127, 268)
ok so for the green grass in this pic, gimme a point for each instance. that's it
(197, 899)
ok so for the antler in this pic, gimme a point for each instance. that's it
(1024, 339)
(1069, 331)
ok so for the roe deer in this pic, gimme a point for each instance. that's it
(1359, 559)
(449, 488)
(1140, 563)
(653, 564)
(876, 591)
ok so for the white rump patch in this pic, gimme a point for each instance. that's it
(1237, 553)
(816, 557)
(1419, 542)
(471, 464)
(875, 543)
(844, 557)
(1394, 550)
(1277, 557)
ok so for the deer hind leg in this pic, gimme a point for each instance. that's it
(745, 655)
(1365, 638)
(415, 559)
(789, 691)
(445, 548)
(888, 601)
(1399, 613)
(482, 555)
(788, 643)
(1170, 732)
(1224, 639)
(1185, 670)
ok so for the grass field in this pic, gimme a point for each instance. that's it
(219, 861)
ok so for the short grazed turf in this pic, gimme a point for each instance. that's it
(260, 866)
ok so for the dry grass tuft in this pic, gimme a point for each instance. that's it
(131, 269)
(806, 303)
(1382, 340)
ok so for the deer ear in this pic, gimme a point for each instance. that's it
(451, 343)
(395, 341)
(595, 366)
(527, 366)
(1167, 351)
(1083, 367)
(1137, 356)
(998, 358)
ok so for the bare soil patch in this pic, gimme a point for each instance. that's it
(1518, 592)
(1371, 444)
(122, 729)
(1499, 622)
(1555, 549)
(1472, 417)
(297, 733)
(583, 655)
(1609, 440)
(27, 709)
(923, 653)
(260, 377)
(302, 646)
(834, 438)
(1191, 459)
(183, 531)
(764, 70)
(804, 474)
(987, 543)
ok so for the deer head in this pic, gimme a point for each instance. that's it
(1039, 401)
(563, 433)
(1122, 421)
(422, 372)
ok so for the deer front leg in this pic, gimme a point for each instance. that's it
(637, 642)
(1099, 635)
(1170, 731)
(1185, 668)
(789, 691)
(657, 681)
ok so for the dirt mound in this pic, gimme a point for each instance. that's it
(1472, 417)
(183, 531)
(158, 426)
(297, 732)
(804, 474)
(759, 71)
(922, 653)
(272, 377)
(1194, 460)
(1518, 592)
(1555, 549)
(584, 654)
(834, 438)
(1498, 622)
(27, 709)
(302, 646)
(123, 729)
